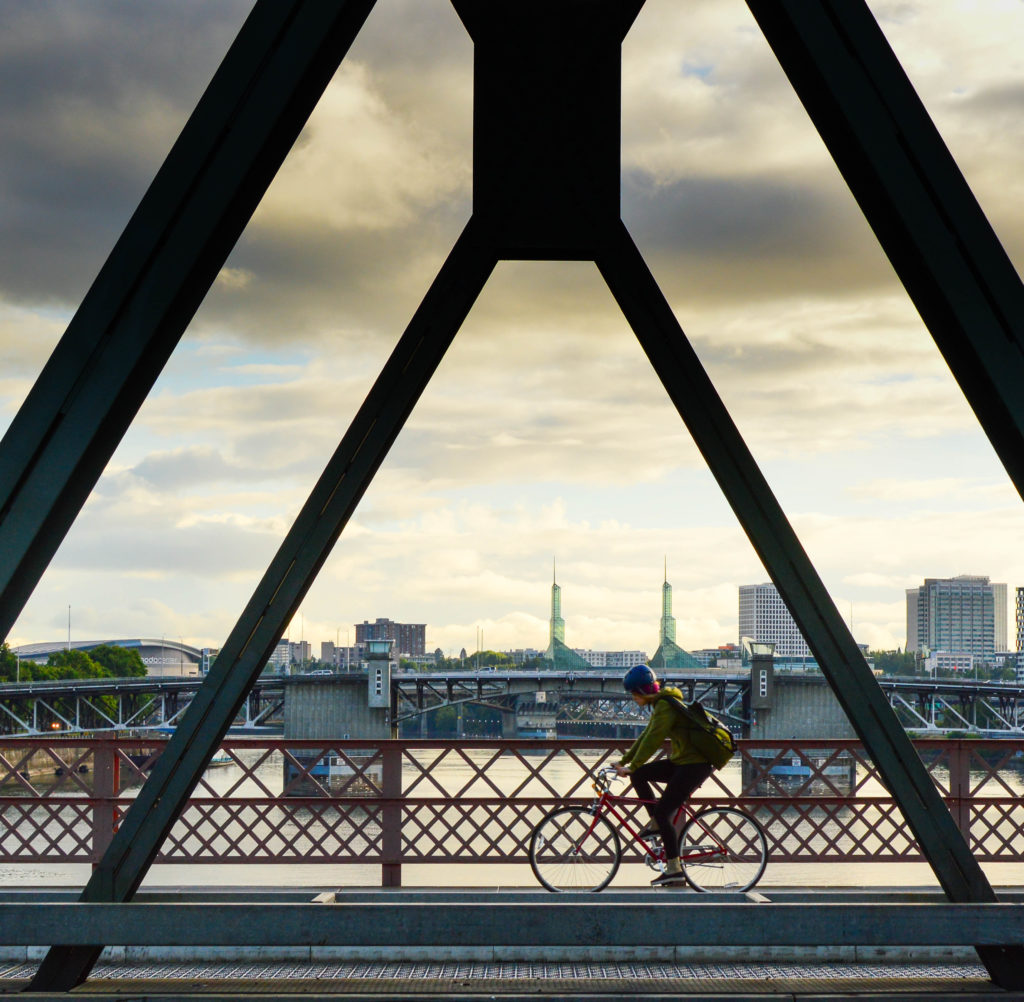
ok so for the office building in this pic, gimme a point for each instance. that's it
(957, 615)
(408, 639)
(612, 659)
(280, 659)
(1019, 607)
(300, 653)
(999, 622)
(521, 654)
(946, 663)
(913, 641)
(726, 656)
(763, 617)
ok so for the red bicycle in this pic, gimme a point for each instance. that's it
(579, 849)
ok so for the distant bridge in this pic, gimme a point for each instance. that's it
(582, 697)
(92, 705)
(573, 699)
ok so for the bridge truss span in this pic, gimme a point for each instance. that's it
(137, 705)
(943, 706)
(574, 698)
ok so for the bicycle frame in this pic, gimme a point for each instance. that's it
(607, 802)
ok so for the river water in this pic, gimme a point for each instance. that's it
(505, 773)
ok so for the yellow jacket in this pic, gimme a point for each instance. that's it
(665, 722)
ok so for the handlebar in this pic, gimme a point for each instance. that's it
(603, 778)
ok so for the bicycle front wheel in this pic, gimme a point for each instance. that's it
(571, 850)
(723, 849)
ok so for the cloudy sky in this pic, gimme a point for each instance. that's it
(545, 433)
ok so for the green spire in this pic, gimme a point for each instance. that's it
(669, 653)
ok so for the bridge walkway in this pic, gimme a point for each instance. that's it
(473, 974)
(470, 981)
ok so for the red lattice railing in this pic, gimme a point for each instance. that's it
(394, 802)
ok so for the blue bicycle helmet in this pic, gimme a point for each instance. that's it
(639, 678)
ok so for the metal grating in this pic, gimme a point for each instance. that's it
(515, 971)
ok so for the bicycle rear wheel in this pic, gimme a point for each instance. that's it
(571, 850)
(723, 849)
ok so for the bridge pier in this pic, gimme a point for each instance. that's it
(333, 706)
(796, 708)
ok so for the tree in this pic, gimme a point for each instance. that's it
(8, 664)
(897, 662)
(72, 664)
(121, 662)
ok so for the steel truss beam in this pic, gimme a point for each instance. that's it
(967, 712)
(915, 199)
(568, 921)
(536, 210)
(769, 531)
(157, 275)
(278, 596)
(85, 707)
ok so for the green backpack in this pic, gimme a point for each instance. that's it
(707, 733)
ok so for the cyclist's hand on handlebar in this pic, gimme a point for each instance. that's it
(621, 770)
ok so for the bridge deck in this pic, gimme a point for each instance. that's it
(812, 974)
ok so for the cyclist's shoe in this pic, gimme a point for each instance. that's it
(668, 880)
(649, 829)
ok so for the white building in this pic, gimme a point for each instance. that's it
(612, 659)
(949, 661)
(765, 618)
(281, 658)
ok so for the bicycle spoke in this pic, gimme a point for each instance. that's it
(570, 851)
(723, 849)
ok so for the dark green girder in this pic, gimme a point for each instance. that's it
(546, 170)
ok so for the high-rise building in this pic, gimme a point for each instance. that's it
(1020, 620)
(913, 641)
(999, 609)
(958, 615)
(765, 618)
(408, 638)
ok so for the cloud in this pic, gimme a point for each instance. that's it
(91, 98)
(361, 165)
(941, 490)
(545, 431)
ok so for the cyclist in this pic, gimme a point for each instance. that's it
(682, 772)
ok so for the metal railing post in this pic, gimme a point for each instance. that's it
(391, 815)
(960, 787)
(105, 791)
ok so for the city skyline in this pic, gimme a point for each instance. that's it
(545, 429)
(757, 604)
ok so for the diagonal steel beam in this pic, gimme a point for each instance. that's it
(278, 596)
(765, 523)
(915, 199)
(157, 274)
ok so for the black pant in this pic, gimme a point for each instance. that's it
(680, 781)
